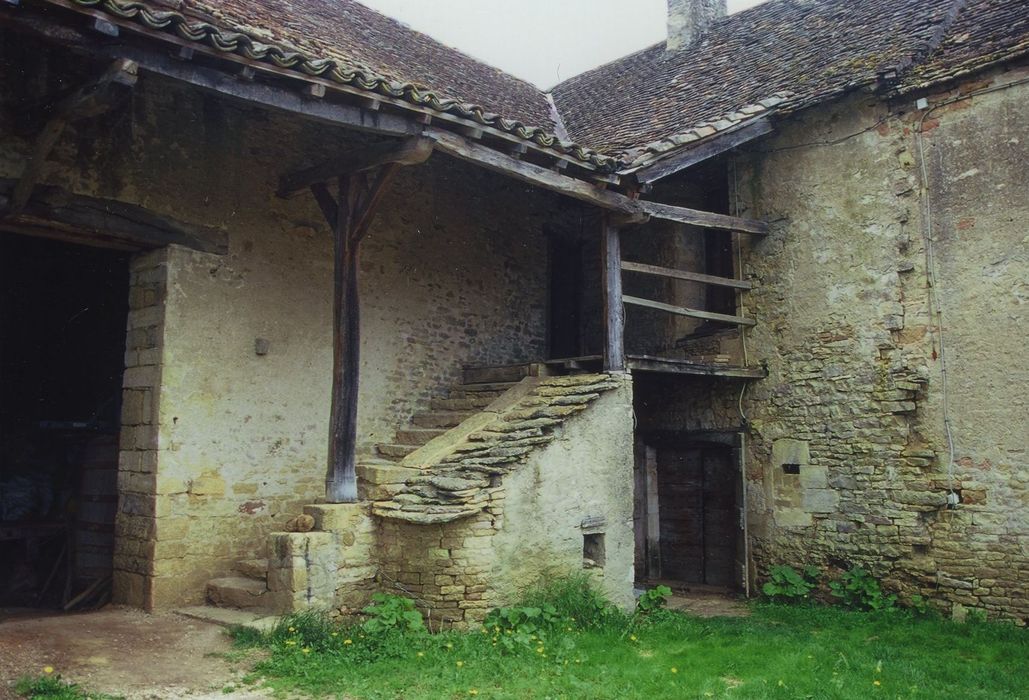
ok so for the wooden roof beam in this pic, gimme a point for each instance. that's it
(709, 148)
(410, 151)
(464, 149)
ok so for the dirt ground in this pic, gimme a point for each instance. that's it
(708, 604)
(123, 652)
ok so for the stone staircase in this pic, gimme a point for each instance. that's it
(461, 403)
(251, 587)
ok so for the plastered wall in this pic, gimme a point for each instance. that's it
(453, 273)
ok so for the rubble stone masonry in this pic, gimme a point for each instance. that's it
(852, 344)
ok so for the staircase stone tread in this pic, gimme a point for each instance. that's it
(485, 386)
(256, 569)
(418, 436)
(395, 449)
(230, 617)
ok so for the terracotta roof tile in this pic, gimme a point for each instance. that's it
(810, 49)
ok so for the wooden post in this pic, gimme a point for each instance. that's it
(341, 480)
(614, 310)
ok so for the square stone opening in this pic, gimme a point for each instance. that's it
(593, 556)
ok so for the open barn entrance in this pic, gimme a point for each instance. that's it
(62, 343)
(688, 511)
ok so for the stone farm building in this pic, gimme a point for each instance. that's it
(751, 296)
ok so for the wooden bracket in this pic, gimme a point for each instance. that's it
(88, 101)
(408, 152)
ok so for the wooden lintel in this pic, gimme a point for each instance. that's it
(684, 275)
(464, 149)
(55, 213)
(704, 219)
(716, 145)
(88, 101)
(685, 311)
(408, 152)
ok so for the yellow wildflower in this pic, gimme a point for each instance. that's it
(291, 642)
(48, 669)
(306, 650)
(674, 669)
(473, 691)
(421, 653)
(348, 641)
(781, 684)
(632, 637)
(876, 683)
(292, 629)
(460, 664)
(450, 645)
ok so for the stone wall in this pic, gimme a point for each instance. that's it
(566, 508)
(855, 392)
(451, 275)
(138, 515)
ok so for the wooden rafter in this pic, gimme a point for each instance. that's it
(88, 101)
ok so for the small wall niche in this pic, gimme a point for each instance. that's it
(593, 554)
(790, 468)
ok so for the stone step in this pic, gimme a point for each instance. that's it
(441, 419)
(472, 402)
(237, 592)
(228, 617)
(418, 436)
(253, 568)
(395, 451)
(500, 373)
(461, 391)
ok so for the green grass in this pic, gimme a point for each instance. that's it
(51, 687)
(778, 652)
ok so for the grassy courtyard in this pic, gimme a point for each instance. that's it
(566, 642)
(586, 651)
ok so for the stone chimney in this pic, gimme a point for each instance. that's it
(689, 19)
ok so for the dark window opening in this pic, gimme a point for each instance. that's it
(593, 555)
(790, 468)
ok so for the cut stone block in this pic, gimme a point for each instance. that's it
(237, 592)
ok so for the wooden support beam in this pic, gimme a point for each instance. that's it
(614, 310)
(460, 147)
(684, 275)
(56, 213)
(685, 311)
(705, 219)
(341, 479)
(88, 101)
(714, 146)
(349, 217)
(408, 152)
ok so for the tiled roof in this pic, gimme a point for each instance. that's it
(984, 32)
(350, 44)
(804, 50)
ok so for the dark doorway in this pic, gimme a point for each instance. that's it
(689, 524)
(63, 311)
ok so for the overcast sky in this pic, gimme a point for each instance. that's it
(542, 41)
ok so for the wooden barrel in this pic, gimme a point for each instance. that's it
(97, 506)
